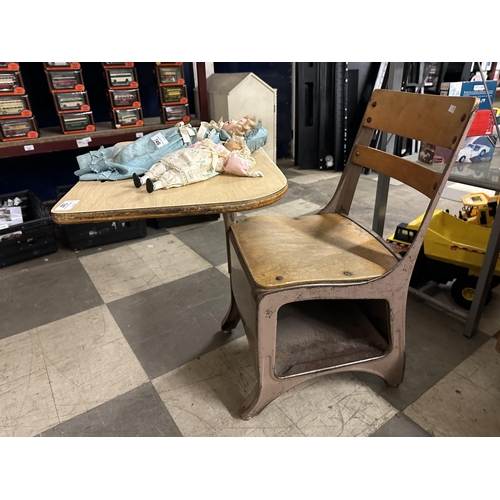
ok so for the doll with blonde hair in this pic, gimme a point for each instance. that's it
(200, 161)
(122, 160)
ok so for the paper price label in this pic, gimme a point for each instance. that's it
(3, 226)
(30, 147)
(159, 140)
(83, 143)
(67, 205)
(139, 134)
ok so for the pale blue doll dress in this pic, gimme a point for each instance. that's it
(121, 161)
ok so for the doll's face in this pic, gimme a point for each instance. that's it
(229, 125)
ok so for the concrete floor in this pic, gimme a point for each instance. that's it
(125, 340)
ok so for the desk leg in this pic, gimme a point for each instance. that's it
(483, 283)
(232, 317)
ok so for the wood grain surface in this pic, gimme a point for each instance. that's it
(121, 200)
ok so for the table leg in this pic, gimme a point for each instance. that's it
(232, 317)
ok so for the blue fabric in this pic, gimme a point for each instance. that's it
(256, 138)
(122, 161)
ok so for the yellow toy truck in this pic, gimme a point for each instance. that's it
(453, 248)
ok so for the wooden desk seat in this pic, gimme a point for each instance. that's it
(324, 248)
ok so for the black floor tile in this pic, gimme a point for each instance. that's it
(208, 241)
(435, 345)
(400, 426)
(175, 323)
(45, 294)
(139, 412)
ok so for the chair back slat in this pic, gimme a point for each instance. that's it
(438, 120)
(419, 177)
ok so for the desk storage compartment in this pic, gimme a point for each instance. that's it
(82, 236)
(32, 238)
(183, 220)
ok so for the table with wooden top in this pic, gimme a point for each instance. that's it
(95, 201)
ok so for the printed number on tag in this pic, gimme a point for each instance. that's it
(159, 140)
(67, 205)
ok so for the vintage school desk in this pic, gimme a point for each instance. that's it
(94, 201)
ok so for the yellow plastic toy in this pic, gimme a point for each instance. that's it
(454, 247)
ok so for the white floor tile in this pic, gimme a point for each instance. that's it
(204, 395)
(57, 371)
(466, 402)
(140, 266)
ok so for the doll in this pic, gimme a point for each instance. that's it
(123, 159)
(200, 161)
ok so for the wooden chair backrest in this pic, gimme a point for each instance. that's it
(438, 120)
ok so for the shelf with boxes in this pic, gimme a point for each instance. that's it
(16, 118)
(172, 92)
(123, 94)
(70, 97)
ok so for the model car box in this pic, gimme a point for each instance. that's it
(127, 98)
(74, 123)
(9, 66)
(117, 64)
(51, 66)
(11, 83)
(81, 236)
(474, 150)
(471, 89)
(121, 77)
(14, 106)
(129, 117)
(175, 113)
(483, 122)
(18, 129)
(69, 102)
(65, 81)
(170, 74)
(34, 237)
(173, 94)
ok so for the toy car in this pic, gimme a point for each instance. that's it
(471, 151)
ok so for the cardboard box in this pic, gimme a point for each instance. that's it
(475, 149)
(471, 89)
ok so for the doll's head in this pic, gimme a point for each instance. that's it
(240, 127)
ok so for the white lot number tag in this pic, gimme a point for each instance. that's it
(67, 205)
(159, 140)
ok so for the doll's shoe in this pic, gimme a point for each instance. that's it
(149, 185)
(137, 180)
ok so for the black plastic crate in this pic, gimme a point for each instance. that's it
(82, 236)
(38, 236)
